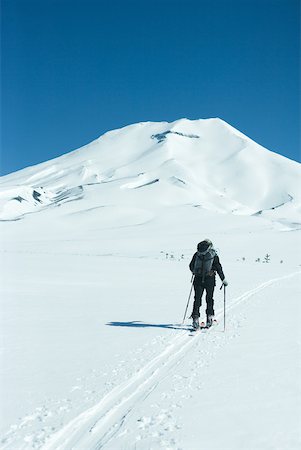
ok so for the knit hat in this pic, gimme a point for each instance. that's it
(204, 245)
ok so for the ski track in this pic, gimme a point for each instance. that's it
(98, 425)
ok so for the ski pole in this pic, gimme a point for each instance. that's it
(224, 305)
(192, 278)
(224, 309)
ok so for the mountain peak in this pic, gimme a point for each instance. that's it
(203, 162)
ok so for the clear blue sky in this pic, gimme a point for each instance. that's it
(73, 69)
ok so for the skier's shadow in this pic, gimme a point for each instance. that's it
(139, 324)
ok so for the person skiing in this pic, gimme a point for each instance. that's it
(204, 265)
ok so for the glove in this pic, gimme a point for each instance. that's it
(225, 282)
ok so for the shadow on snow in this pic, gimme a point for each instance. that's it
(139, 324)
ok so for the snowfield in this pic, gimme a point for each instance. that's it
(95, 247)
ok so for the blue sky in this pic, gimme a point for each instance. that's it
(74, 69)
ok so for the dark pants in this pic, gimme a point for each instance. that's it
(199, 287)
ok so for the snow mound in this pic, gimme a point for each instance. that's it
(205, 163)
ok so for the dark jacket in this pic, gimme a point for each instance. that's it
(216, 267)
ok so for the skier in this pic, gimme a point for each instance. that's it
(204, 264)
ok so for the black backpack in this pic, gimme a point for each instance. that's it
(203, 262)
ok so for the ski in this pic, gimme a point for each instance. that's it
(202, 328)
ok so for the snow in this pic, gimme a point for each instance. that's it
(95, 280)
(205, 162)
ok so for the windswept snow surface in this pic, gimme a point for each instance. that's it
(95, 247)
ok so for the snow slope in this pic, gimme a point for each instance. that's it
(95, 280)
(205, 163)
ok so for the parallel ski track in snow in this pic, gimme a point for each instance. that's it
(95, 427)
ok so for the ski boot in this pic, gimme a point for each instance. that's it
(209, 321)
(195, 323)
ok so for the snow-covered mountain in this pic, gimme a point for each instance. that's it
(95, 252)
(203, 163)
